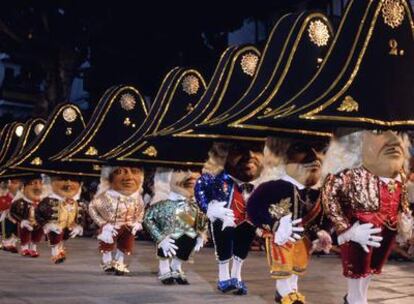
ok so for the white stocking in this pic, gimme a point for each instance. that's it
(355, 292)
(106, 257)
(164, 266)
(293, 280)
(24, 247)
(224, 271)
(119, 256)
(364, 287)
(55, 250)
(283, 287)
(33, 246)
(236, 268)
(176, 264)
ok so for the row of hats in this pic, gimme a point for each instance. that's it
(307, 81)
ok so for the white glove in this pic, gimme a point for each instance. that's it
(135, 228)
(323, 243)
(52, 227)
(361, 234)
(287, 231)
(199, 243)
(228, 221)
(216, 210)
(26, 224)
(107, 234)
(168, 246)
(77, 230)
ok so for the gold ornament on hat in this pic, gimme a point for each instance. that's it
(150, 151)
(349, 104)
(37, 161)
(92, 151)
(69, 115)
(38, 128)
(191, 84)
(128, 102)
(318, 33)
(280, 209)
(393, 12)
(19, 131)
(249, 63)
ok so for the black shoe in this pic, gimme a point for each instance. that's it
(345, 299)
(180, 278)
(278, 298)
(167, 279)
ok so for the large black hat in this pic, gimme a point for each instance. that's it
(62, 127)
(367, 78)
(178, 96)
(118, 114)
(31, 129)
(293, 53)
(232, 76)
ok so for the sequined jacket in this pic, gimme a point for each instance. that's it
(353, 190)
(64, 214)
(118, 210)
(274, 199)
(210, 187)
(22, 209)
(175, 218)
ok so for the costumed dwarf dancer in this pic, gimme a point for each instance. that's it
(60, 213)
(287, 206)
(177, 225)
(23, 212)
(9, 226)
(366, 199)
(118, 210)
(222, 195)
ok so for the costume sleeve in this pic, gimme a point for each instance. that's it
(44, 212)
(94, 213)
(202, 191)
(150, 221)
(17, 210)
(81, 216)
(332, 191)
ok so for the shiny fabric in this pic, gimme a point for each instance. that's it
(118, 211)
(124, 241)
(175, 218)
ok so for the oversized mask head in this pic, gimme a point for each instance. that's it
(303, 161)
(66, 187)
(33, 189)
(383, 152)
(183, 182)
(245, 161)
(14, 185)
(126, 180)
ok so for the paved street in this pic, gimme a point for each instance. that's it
(80, 280)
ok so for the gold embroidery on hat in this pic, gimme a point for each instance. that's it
(189, 107)
(191, 84)
(318, 33)
(69, 114)
(68, 131)
(393, 13)
(348, 105)
(128, 102)
(127, 121)
(91, 151)
(280, 209)
(150, 151)
(37, 161)
(96, 167)
(249, 63)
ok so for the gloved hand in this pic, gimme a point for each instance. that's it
(216, 210)
(26, 224)
(75, 231)
(52, 227)
(287, 230)
(168, 246)
(107, 234)
(361, 234)
(136, 227)
(323, 243)
(199, 243)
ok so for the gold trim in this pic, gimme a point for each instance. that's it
(91, 151)
(311, 115)
(47, 171)
(318, 33)
(94, 126)
(348, 105)
(151, 151)
(37, 161)
(393, 13)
